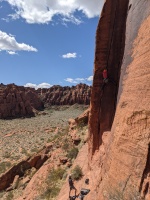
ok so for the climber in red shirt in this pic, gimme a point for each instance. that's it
(106, 79)
(105, 76)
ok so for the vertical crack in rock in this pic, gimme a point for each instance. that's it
(110, 43)
(108, 55)
(144, 186)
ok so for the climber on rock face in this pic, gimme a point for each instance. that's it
(105, 76)
(107, 80)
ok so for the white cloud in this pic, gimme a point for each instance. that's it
(12, 52)
(70, 80)
(90, 78)
(79, 80)
(41, 85)
(8, 43)
(69, 55)
(44, 85)
(5, 19)
(30, 85)
(34, 11)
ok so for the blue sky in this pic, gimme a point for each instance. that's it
(48, 43)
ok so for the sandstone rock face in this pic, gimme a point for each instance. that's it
(124, 166)
(17, 101)
(58, 95)
(119, 120)
(108, 55)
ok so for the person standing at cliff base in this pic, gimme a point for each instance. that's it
(71, 185)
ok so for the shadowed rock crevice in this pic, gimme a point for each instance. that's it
(110, 43)
(7, 178)
(144, 186)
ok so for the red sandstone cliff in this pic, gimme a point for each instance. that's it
(16, 101)
(58, 95)
(124, 165)
(119, 121)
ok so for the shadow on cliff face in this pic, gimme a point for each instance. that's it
(144, 185)
(110, 43)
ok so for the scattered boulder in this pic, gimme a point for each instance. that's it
(83, 118)
(63, 159)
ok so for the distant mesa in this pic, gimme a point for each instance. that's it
(19, 101)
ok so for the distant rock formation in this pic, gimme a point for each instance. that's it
(57, 95)
(17, 101)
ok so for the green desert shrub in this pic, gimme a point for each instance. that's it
(77, 172)
(73, 153)
(50, 193)
(56, 174)
(65, 145)
(10, 195)
(7, 154)
(4, 166)
(52, 182)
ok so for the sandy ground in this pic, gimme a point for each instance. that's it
(20, 138)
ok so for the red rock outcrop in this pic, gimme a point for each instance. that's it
(35, 161)
(80, 121)
(108, 55)
(17, 101)
(123, 46)
(119, 120)
(83, 118)
(58, 95)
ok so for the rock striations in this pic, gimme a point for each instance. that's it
(117, 159)
(123, 108)
(119, 119)
(108, 55)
